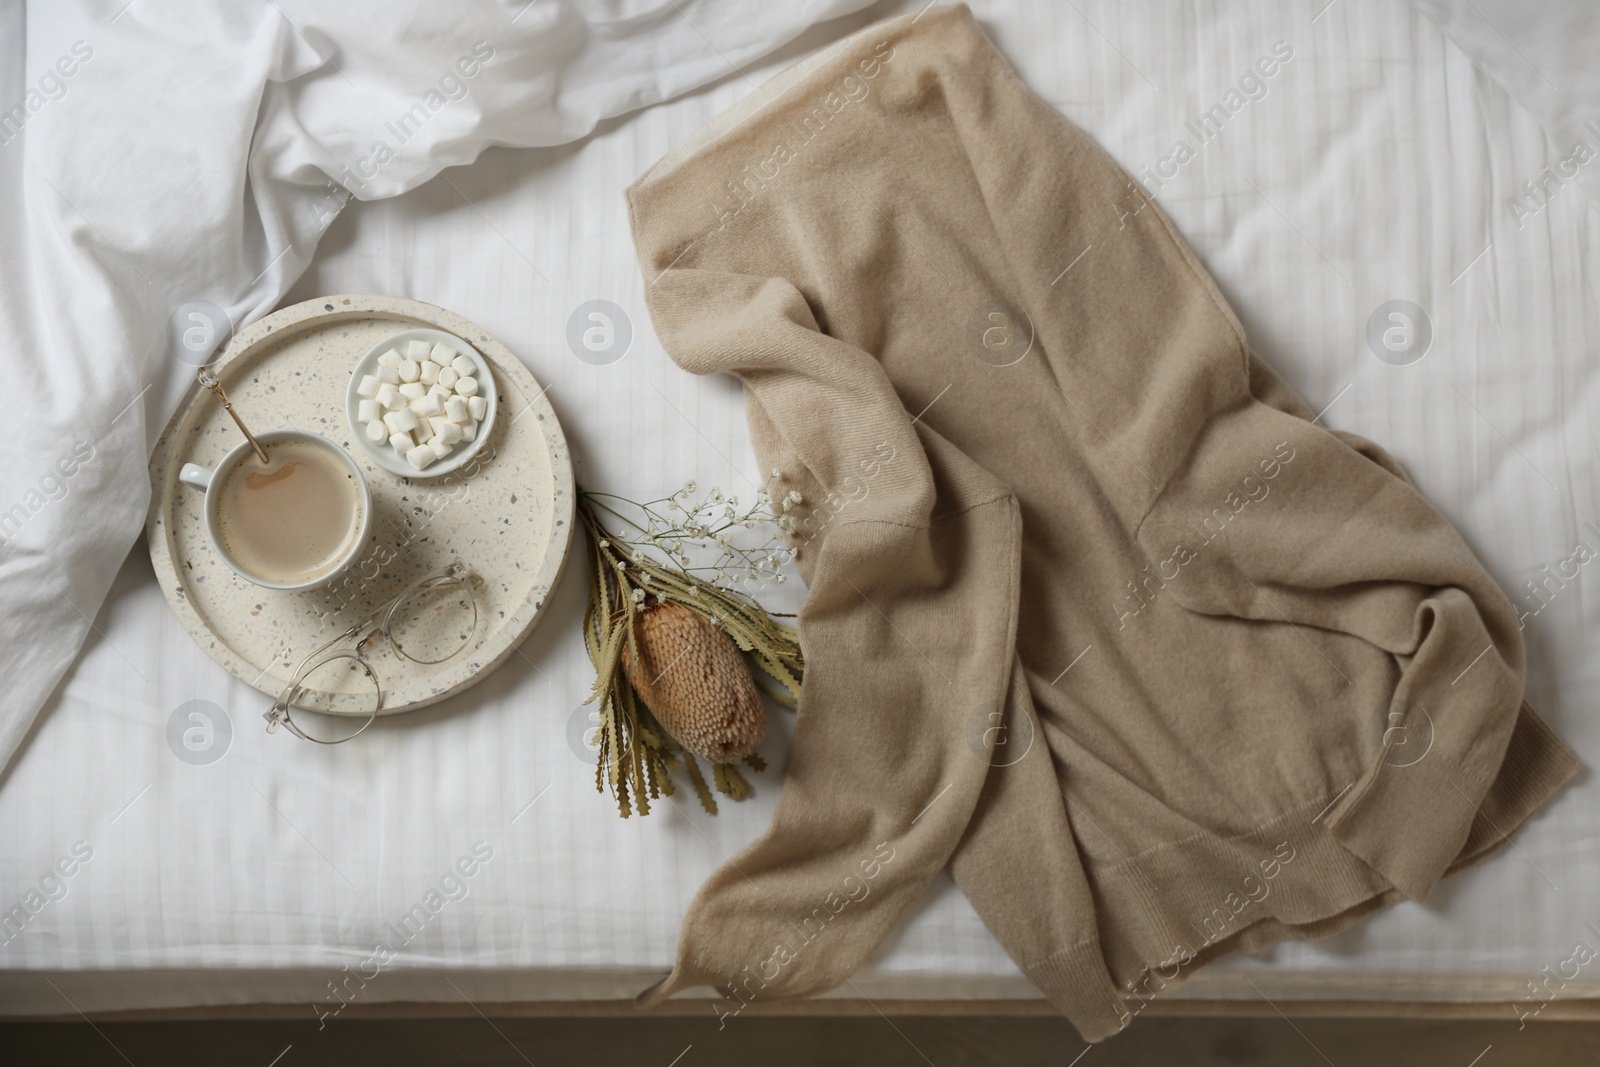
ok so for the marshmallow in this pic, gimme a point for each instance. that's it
(469, 431)
(401, 421)
(420, 456)
(462, 365)
(445, 430)
(417, 351)
(390, 358)
(455, 409)
(423, 431)
(467, 386)
(389, 374)
(366, 410)
(377, 431)
(442, 354)
(441, 392)
(409, 370)
(477, 406)
(427, 372)
(412, 391)
(440, 449)
(401, 443)
(448, 377)
(368, 387)
(389, 397)
(427, 405)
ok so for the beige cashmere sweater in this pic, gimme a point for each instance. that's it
(1097, 615)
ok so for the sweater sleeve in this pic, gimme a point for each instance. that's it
(1022, 835)
(1275, 519)
(908, 627)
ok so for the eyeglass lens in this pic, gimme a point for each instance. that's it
(346, 693)
(434, 622)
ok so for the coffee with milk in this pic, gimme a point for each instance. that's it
(292, 519)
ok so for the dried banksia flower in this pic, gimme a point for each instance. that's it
(672, 655)
(694, 681)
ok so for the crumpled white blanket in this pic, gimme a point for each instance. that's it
(157, 156)
(1543, 55)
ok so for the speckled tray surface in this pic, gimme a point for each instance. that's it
(508, 513)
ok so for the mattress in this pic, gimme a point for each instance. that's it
(1372, 174)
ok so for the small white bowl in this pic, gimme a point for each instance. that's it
(381, 453)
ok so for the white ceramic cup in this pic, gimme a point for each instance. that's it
(206, 480)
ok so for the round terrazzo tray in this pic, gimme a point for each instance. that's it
(508, 513)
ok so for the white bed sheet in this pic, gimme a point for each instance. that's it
(1377, 166)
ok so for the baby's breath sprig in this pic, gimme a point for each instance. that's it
(648, 563)
(674, 525)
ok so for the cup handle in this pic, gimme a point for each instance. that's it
(195, 475)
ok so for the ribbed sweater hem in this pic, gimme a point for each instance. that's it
(1076, 981)
(1167, 910)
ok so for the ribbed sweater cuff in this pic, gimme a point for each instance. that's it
(1410, 823)
(1077, 982)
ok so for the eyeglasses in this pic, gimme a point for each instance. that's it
(431, 620)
